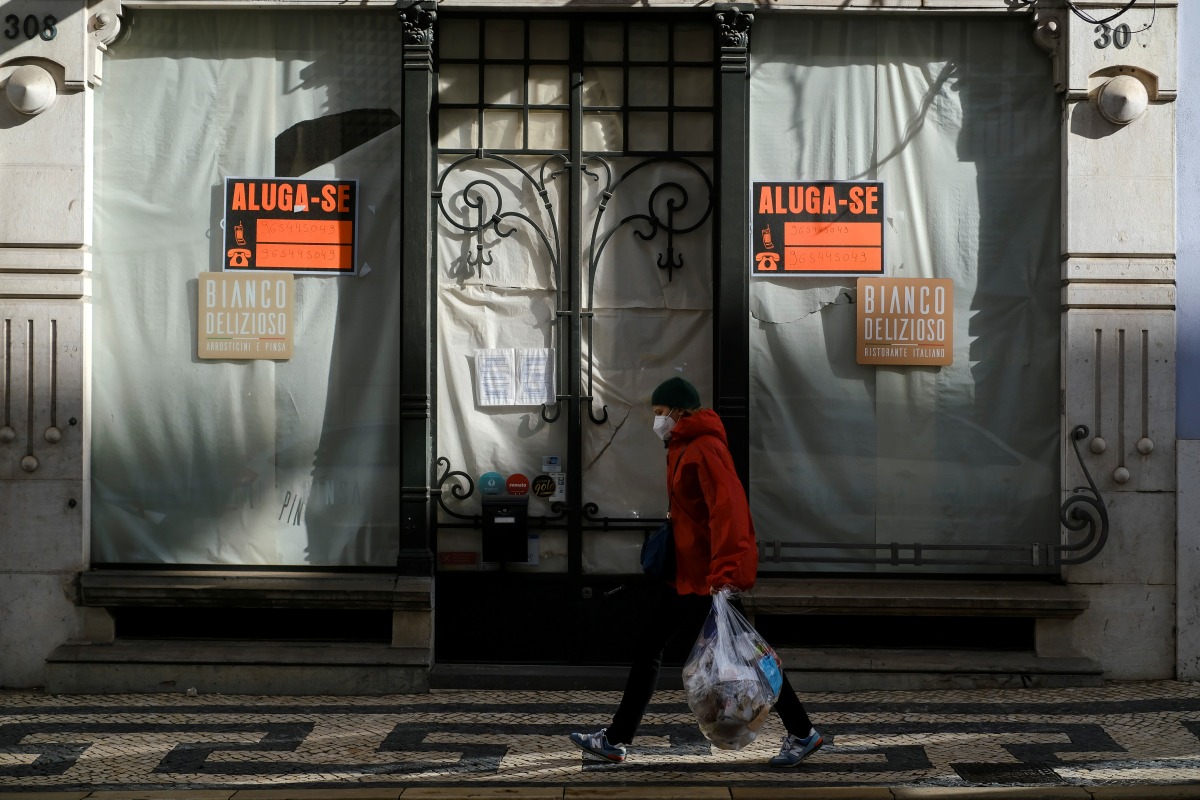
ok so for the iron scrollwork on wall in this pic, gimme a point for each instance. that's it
(1083, 510)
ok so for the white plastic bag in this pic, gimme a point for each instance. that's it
(732, 677)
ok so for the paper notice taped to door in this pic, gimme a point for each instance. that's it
(511, 377)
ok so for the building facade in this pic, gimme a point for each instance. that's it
(329, 332)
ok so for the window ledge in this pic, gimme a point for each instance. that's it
(254, 589)
(914, 598)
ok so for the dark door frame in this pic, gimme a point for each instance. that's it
(422, 483)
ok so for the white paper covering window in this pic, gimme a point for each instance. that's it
(271, 463)
(959, 118)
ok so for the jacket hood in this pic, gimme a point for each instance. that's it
(704, 422)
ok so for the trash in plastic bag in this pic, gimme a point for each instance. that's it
(732, 677)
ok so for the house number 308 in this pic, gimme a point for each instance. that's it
(31, 26)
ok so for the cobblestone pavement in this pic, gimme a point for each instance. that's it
(1123, 734)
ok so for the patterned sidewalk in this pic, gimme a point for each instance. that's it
(1122, 735)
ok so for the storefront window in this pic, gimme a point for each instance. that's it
(254, 462)
(959, 120)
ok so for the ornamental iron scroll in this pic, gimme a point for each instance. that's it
(663, 203)
(667, 212)
(1083, 510)
(456, 488)
(666, 204)
(474, 521)
(559, 510)
(483, 200)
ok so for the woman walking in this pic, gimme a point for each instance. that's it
(714, 549)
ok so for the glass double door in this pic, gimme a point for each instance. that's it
(574, 206)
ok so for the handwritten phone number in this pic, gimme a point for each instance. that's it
(797, 257)
(803, 229)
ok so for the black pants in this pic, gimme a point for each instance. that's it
(665, 616)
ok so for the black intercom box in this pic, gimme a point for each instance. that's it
(506, 528)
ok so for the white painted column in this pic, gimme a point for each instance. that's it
(1118, 333)
(47, 73)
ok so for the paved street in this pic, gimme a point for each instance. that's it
(1123, 740)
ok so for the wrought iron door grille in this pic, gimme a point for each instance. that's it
(632, 159)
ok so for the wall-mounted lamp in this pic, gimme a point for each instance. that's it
(31, 89)
(1122, 99)
(1122, 93)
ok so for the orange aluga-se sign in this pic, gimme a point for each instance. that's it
(816, 228)
(292, 225)
(905, 321)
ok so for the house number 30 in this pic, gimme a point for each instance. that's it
(31, 26)
(1119, 37)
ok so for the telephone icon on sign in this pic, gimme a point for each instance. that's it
(767, 262)
(239, 234)
(239, 257)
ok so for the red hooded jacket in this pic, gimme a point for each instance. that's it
(714, 535)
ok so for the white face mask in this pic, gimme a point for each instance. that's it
(663, 425)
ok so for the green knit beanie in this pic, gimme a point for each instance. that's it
(676, 393)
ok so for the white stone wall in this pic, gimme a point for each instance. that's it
(45, 314)
(1119, 324)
